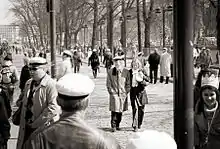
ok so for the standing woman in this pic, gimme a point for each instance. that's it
(138, 94)
(94, 61)
(66, 65)
(207, 116)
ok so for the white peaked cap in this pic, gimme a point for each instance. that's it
(67, 52)
(75, 85)
(94, 50)
(37, 61)
(151, 139)
(118, 57)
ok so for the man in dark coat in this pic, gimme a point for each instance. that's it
(25, 74)
(108, 60)
(154, 60)
(71, 131)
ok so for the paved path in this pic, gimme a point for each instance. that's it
(158, 113)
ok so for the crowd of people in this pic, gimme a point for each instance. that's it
(51, 112)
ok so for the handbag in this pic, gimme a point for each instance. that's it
(17, 116)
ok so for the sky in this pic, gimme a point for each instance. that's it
(5, 16)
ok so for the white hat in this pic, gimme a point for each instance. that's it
(118, 57)
(210, 78)
(94, 50)
(151, 139)
(7, 63)
(37, 61)
(75, 85)
(140, 53)
(108, 50)
(67, 52)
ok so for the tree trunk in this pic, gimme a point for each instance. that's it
(139, 26)
(147, 24)
(95, 24)
(110, 24)
(218, 26)
(66, 24)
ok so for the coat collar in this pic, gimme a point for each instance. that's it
(43, 81)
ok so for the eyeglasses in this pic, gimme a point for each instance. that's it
(33, 68)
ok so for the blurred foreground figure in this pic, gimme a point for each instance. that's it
(71, 131)
(151, 139)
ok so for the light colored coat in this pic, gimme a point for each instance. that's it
(118, 88)
(45, 107)
(165, 61)
(65, 67)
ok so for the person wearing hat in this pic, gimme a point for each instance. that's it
(94, 62)
(118, 86)
(66, 66)
(108, 60)
(154, 60)
(9, 77)
(151, 139)
(71, 131)
(39, 104)
(165, 62)
(207, 114)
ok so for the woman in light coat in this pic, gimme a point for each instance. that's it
(66, 65)
(165, 61)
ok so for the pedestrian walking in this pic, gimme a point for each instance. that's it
(9, 77)
(39, 105)
(94, 62)
(207, 114)
(165, 61)
(138, 95)
(151, 139)
(108, 60)
(118, 86)
(154, 61)
(66, 66)
(77, 61)
(71, 131)
(25, 74)
(5, 114)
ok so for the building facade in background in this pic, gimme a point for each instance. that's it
(9, 33)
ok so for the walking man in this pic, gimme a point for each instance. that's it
(154, 60)
(118, 85)
(39, 105)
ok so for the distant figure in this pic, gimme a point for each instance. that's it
(154, 61)
(94, 62)
(71, 131)
(165, 61)
(108, 60)
(25, 74)
(77, 61)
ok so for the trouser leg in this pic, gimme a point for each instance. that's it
(167, 80)
(140, 115)
(161, 79)
(113, 119)
(119, 117)
(155, 75)
(151, 75)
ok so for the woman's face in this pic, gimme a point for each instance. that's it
(135, 66)
(209, 97)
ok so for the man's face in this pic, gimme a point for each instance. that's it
(118, 64)
(37, 72)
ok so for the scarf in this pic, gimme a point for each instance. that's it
(137, 77)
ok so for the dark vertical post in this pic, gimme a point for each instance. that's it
(139, 26)
(53, 39)
(84, 50)
(124, 29)
(164, 33)
(218, 27)
(101, 40)
(183, 78)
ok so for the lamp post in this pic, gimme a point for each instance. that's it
(101, 23)
(84, 36)
(164, 10)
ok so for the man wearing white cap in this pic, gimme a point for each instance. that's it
(72, 131)
(39, 105)
(118, 85)
(66, 65)
(151, 139)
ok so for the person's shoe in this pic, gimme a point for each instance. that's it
(117, 128)
(114, 129)
(135, 129)
(139, 127)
